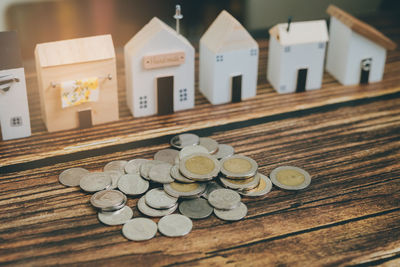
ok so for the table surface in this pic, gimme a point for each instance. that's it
(347, 138)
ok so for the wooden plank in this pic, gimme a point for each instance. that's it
(163, 60)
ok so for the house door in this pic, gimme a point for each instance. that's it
(165, 95)
(236, 88)
(301, 80)
(365, 68)
(85, 118)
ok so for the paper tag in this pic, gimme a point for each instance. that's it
(77, 92)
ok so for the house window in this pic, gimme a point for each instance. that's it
(182, 94)
(220, 58)
(253, 52)
(287, 49)
(143, 102)
(321, 45)
(16, 121)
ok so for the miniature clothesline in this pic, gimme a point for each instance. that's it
(108, 77)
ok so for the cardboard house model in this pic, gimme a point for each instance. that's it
(228, 61)
(77, 82)
(356, 51)
(296, 56)
(159, 65)
(14, 111)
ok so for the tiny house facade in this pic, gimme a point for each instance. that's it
(228, 61)
(159, 65)
(14, 110)
(77, 82)
(296, 56)
(356, 51)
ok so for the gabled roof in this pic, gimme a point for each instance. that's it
(148, 31)
(75, 51)
(361, 27)
(10, 53)
(226, 33)
(314, 31)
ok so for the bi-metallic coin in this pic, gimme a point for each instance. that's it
(199, 167)
(238, 167)
(243, 184)
(290, 178)
(177, 189)
(264, 187)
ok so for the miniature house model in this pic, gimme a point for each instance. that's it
(14, 111)
(77, 82)
(228, 61)
(296, 56)
(356, 51)
(159, 64)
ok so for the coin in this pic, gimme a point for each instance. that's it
(224, 199)
(139, 229)
(114, 175)
(210, 144)
(195, 208)
(157, 199)
(116, 217)
(290, 178)
(243, 184)
(199, 166)
(161, 173)
(149, 211)
(238, 166)
(263, 188)
(186, 139)
(175, 225)
(71, 177)
(177, 175)
(133, 166)
(189, 150)
(133, 184)
(224, 151)
(235, 214)
(211, 186)
(108, 200)
(95, 181)
(167, 155)
(145, 168)
(177, 189)
(116, 165)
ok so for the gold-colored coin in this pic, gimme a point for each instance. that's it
(290, 177)
(237, 165)
(242, 184)
(184, 190)
(240, 181)
(264, 187)
(200, 165)
(181, 187)
(261, 186)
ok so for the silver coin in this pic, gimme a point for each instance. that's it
(71, 177)
(199, 167)
(189, 150)
(224, 199)
(196, 208)
(290, 178)
(156, 198)
(211, 186)
(177, 175)
(133, 184)
(114, 175)
(116, 217)
(224, 151)
(210, 144)
(244, 184)
(133, 166)
(108, 200)
(235, 214)
(116, 165)
(175, 225)
(139, 229)
(145, 168)
(182, 140)
(95, 181)
(263, 188)
(238, 166)
(149, 211)
(167, 155)
(177, 160)
(177, 189)
(161, 173)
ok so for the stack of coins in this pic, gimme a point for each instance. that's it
(197, 176)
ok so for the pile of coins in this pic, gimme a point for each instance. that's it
(197, 176)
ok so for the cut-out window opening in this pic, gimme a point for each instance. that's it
(143, 102)
(287, 49)
(253, 52)
(16, 121)
(182, 94)
(220, 58)
(321, 45)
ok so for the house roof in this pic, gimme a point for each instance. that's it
(314, 31)
(10, 53)
(226, 34)
(361, 27)
(148, 31)
(75, 51)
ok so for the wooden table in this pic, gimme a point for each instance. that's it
(347, 138)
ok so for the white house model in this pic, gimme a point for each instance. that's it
(14, 111)
(296, 56)
(228, 61)
(159, 64)
(356, 51)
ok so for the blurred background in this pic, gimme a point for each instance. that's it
(39, 21)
